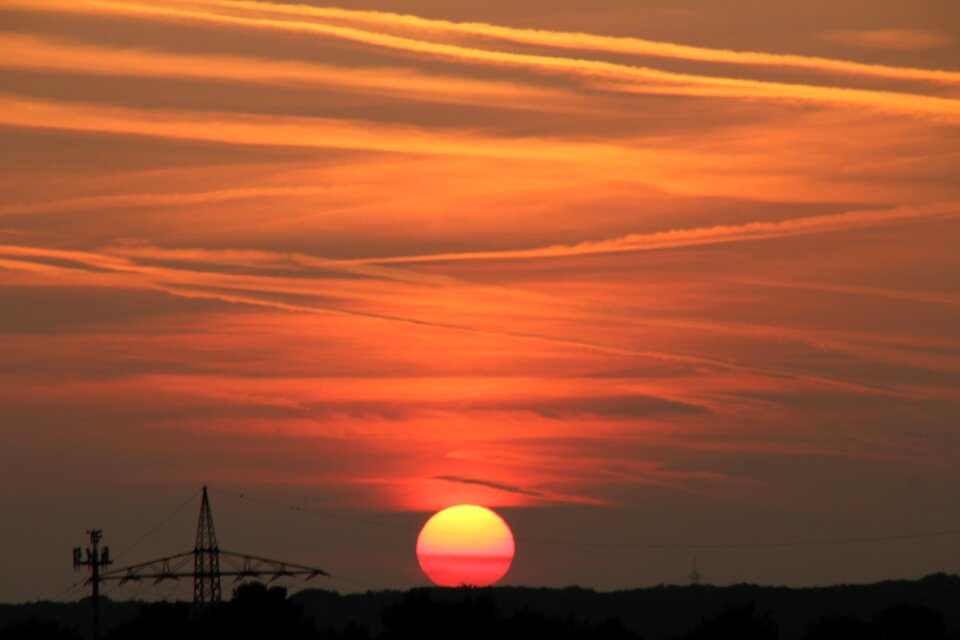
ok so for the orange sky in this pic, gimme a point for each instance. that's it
(628, 271)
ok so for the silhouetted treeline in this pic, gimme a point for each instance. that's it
(918, 610)
(258, 612)
(40, 619)
(671, 612)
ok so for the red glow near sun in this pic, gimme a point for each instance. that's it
(465, 545)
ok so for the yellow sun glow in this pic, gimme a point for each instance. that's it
(465, 545)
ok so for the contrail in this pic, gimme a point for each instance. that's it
(184, 283)
(831, 223)
(609, 44)
(721, 87)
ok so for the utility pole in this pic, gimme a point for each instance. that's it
(95, 560)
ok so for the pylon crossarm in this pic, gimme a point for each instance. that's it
(175, 567)
(161, 569)
(159, 576)
(130, 577)
(267, 566)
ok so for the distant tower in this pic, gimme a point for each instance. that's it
(694, 575)
(206, 558)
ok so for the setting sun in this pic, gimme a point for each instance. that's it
(465, 545)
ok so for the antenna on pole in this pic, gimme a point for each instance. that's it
(206, 558)
(96, 559)
(695, 576)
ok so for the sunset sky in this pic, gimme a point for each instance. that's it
(651, 278)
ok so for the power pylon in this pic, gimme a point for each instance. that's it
(206, 573)
(206, 558)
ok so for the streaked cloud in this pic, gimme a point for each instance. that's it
(44, 54)
(638, 79)
(710, 235)
(896, 39)
(275, 130)
(492, 485)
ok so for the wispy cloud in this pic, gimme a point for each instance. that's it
(930, 297)
(634, 78)
(704, 236)
(255, 129)
(632, 46)
(297, 296)
(73, 56)
(166, 199)
(493, 485)
(896, 39)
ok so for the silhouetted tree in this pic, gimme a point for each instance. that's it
(908, 623)
(352, 631)
(419, 615)
(156, 621)
(34, 630)
(256, 612)
(467, 615)
(610, 629)
(739, 622)
(840, 628)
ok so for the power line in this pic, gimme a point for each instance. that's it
(753, 545)
(69, 591)
(324, 514)
(157, 526)
(76, 586)
(359, 583)
(315, 512)
(620, 545)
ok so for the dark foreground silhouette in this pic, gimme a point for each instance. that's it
(920, 610)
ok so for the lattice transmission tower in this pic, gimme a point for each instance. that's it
(206, 558)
